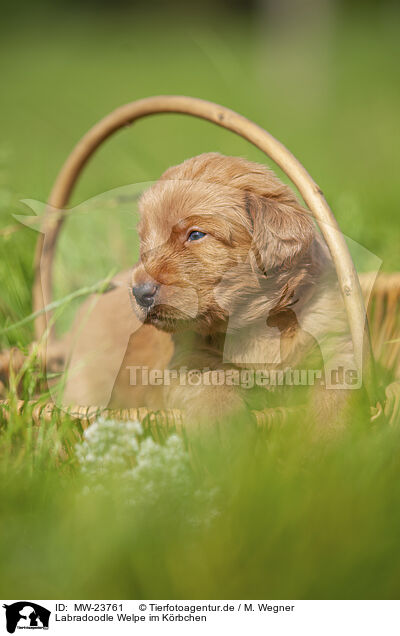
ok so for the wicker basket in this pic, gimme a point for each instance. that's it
(383, 310)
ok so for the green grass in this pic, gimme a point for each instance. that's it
(296, 517)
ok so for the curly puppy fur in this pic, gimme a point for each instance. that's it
(257, 291)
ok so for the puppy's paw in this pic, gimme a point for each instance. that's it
(216, 412)
(208, 407)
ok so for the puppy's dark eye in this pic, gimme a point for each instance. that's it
(195, 235)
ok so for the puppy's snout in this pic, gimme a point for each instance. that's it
(145, 294)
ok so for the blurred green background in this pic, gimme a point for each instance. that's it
(321, 76)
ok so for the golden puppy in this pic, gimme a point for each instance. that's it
(233, 277)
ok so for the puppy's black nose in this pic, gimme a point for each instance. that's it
(145, 294)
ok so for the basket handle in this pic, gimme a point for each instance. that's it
(125, 115)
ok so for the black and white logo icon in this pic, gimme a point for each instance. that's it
(26, 615)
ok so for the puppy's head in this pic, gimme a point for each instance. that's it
(212, 219)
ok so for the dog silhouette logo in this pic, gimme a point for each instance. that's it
(26, 615)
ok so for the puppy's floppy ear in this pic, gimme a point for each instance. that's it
(282, 231)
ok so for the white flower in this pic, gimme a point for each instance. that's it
(114, 457)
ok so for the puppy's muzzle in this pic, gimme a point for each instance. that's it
(145, 294)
